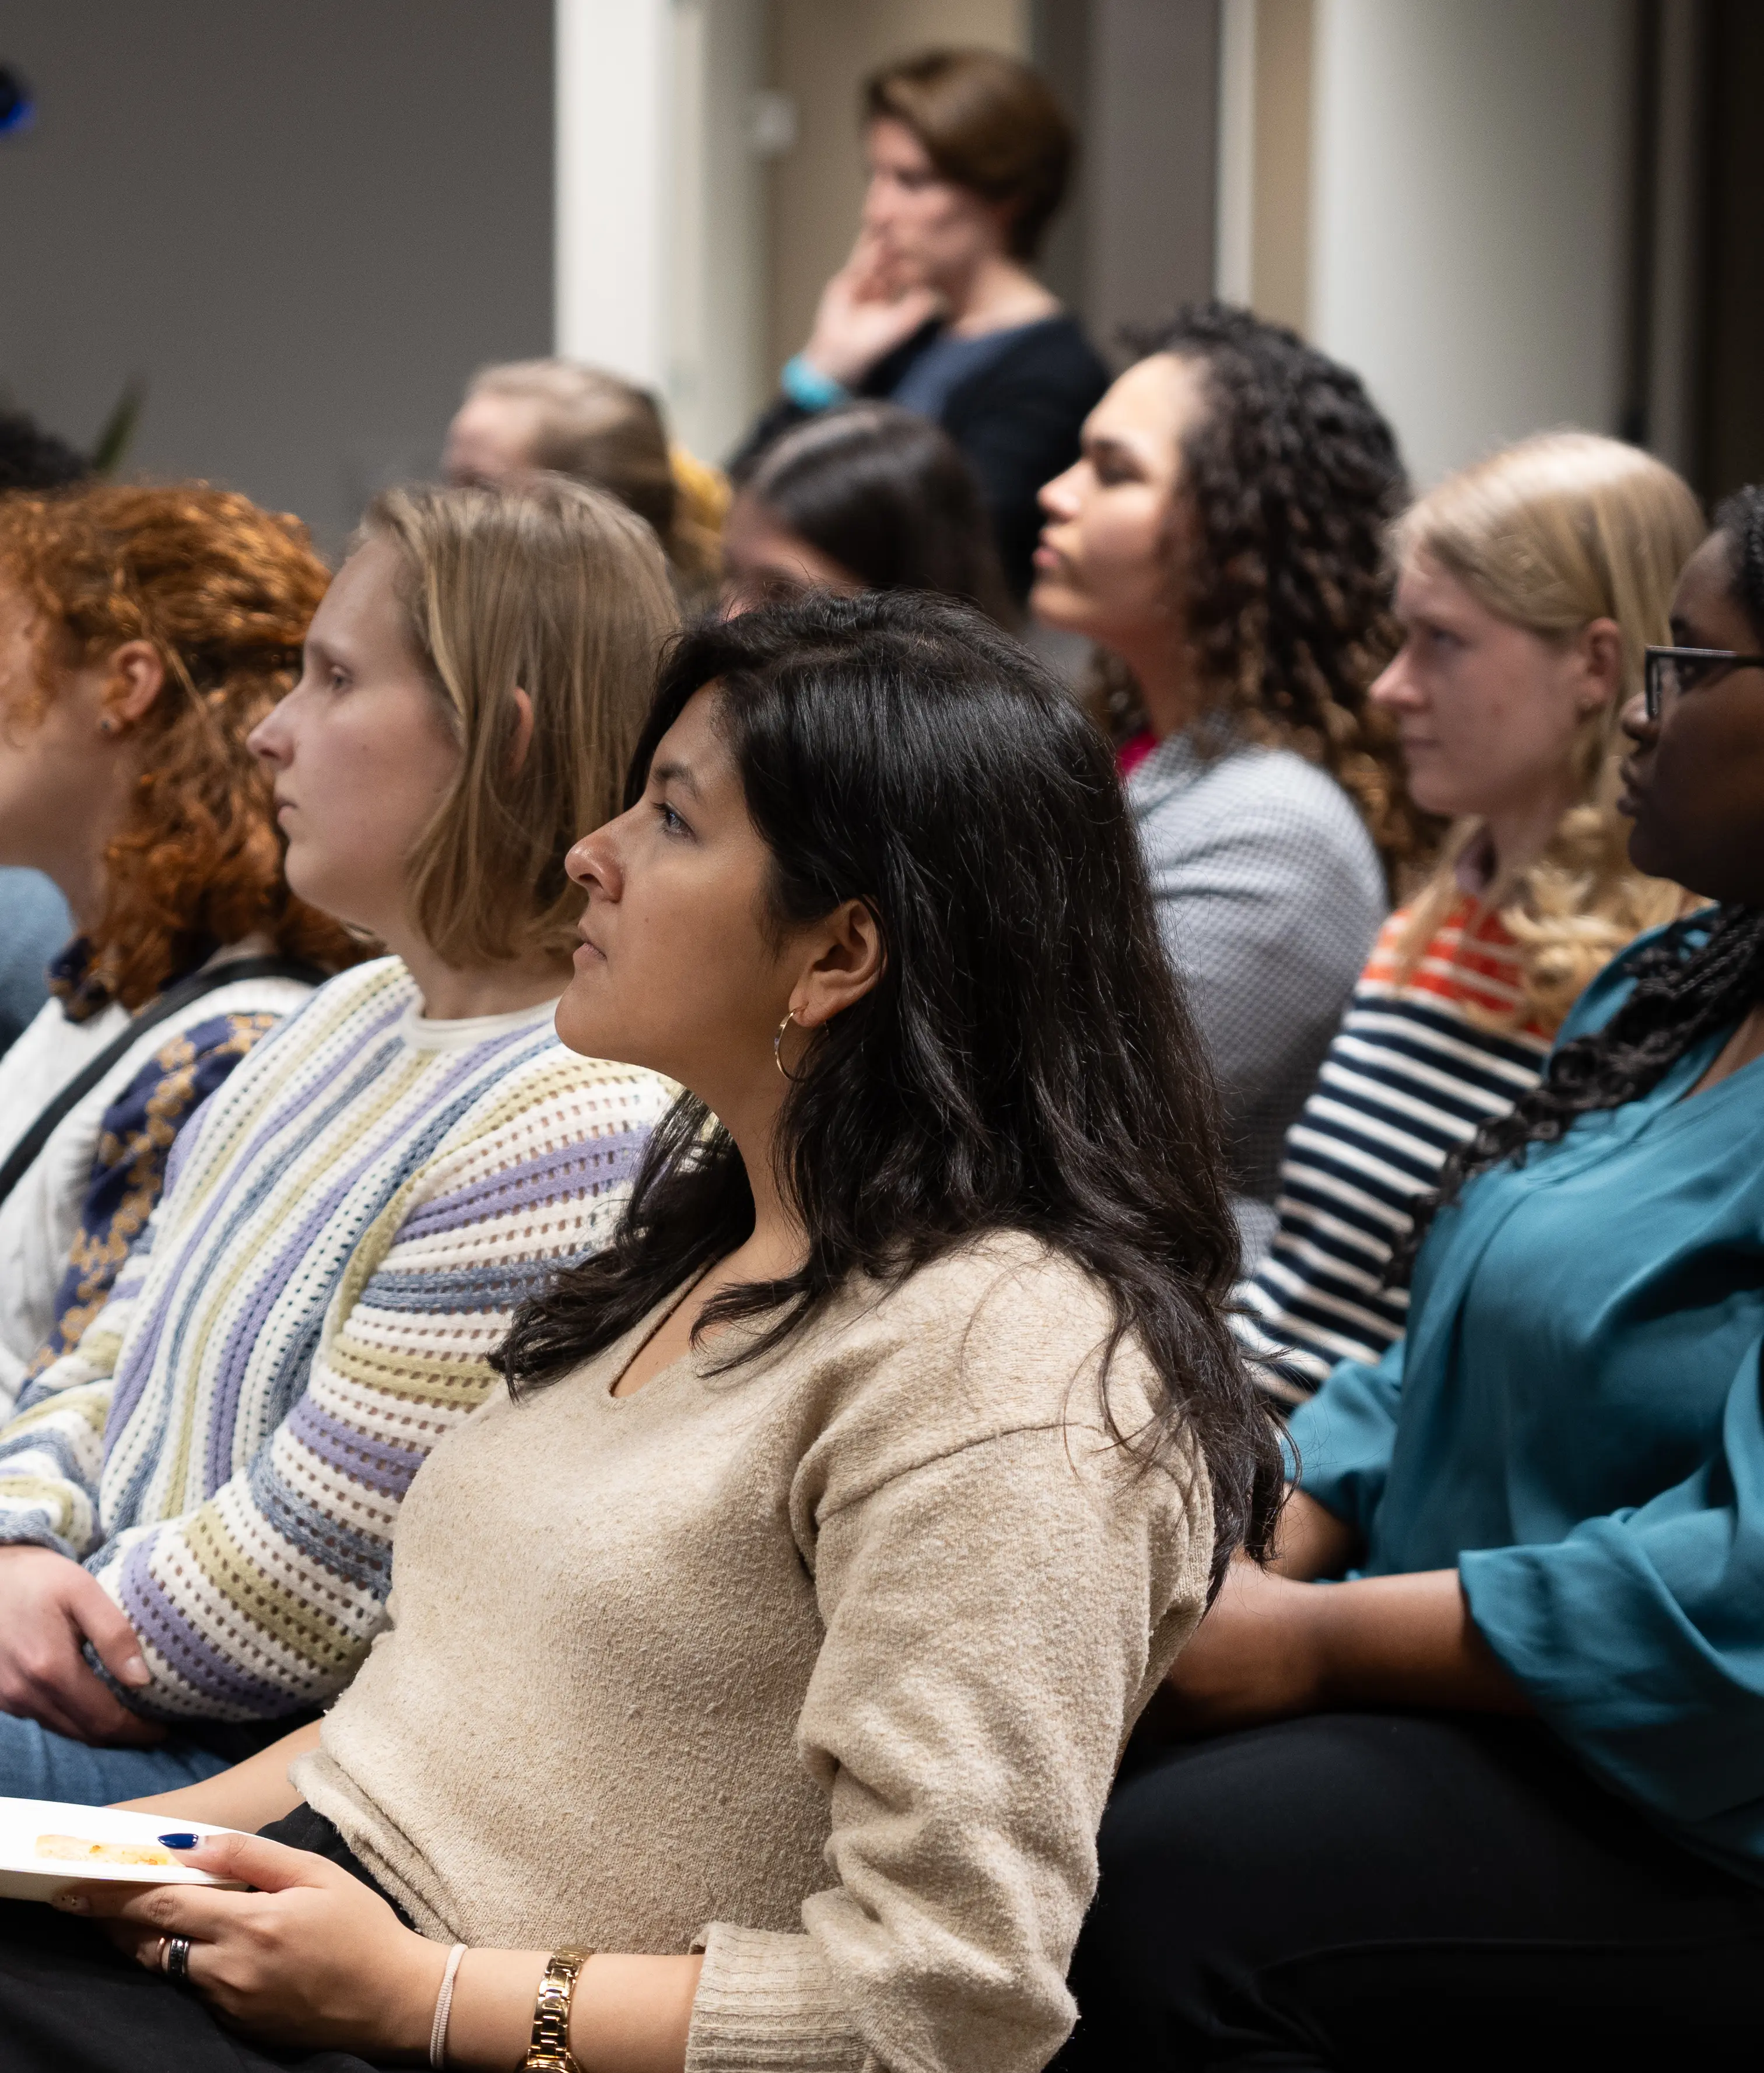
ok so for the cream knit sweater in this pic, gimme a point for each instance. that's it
(825, 1663)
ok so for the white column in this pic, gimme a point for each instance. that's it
(1470, 214)
(614, 93)
(1234, 261)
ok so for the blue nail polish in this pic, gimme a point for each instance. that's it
(180, 1841)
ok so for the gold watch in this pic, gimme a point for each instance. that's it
(549, 2050)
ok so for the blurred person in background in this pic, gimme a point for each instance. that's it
(143, 633)
(869, 497)
(33, 459)
(1528, 587)
(568, 419)
(1221, 539)
(34, 919)
(937, 309)
(205, 1488)
(1496, 1792)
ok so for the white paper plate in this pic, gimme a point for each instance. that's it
(25, 1876)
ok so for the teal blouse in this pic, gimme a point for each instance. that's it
(1573, 1421)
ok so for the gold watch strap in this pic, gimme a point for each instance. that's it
(549, 2050)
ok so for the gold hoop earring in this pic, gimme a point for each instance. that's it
(777, 1048)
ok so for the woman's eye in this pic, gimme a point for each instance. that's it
(671, 822)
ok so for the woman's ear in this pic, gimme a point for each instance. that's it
(522, 742)
(848, 958)
(135, 677)
(1600, 650)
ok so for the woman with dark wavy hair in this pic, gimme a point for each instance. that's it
(1221, 538)
(1505, 1786)
(144, 632)
(868, 497)
(790, 1609)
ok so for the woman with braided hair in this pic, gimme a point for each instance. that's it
(1505, 1783)
(1221, 539)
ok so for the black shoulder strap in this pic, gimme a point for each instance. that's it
(210, 979)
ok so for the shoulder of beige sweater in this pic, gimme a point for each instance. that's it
(1003, 1334)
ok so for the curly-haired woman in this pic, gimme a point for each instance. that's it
(144, 632)
(1528, 587)
(1221, 539)
(1502, 1791)
(205, 1488)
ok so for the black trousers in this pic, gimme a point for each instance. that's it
(71, 2003)
(1368, 1892)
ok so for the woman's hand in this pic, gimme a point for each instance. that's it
(314, 1957)
(1259, 1655)
(1271, 1648)
(50, 1608)
(865, 311)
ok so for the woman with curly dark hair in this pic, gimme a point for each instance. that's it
(143, 632)
(1221, 540)
(1507, 1782)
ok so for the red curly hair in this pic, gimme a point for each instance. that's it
(223, 591)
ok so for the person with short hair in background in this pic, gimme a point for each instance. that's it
(1528, 587)
(1473, 1769)
(869, 497)
(144, 632)
(34, 922)
(1221, 540)
(937, 309)
(594, 427)
(202, 1489)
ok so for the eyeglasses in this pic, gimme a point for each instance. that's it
(1668, 672)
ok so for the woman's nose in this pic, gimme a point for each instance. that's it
(1643, 732)
(264, 741)
(1392, 687)
(1056, 497)
(592, 864)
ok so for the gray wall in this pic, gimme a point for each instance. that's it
(1141, 78)
(301, 224)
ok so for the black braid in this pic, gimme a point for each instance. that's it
(1682, 992)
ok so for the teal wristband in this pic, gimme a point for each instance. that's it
(810, 389)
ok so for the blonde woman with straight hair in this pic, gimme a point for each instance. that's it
(203, 1489)
(597, 428)
(1528, 586)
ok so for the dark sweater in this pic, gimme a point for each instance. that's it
(1016, 420)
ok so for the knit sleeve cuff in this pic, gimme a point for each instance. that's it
(809, 389)
(765, 2004)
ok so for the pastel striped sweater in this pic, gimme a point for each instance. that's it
(1414, 1069)
(345, 1230)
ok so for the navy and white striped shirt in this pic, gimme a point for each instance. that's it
(1412, 1073)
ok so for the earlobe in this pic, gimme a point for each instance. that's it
(1602, 657)
(137, 675)
(847, 968)
(522, 742)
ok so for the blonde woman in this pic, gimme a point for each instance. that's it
(203, 1489)
(1528, 587)
(596, 428)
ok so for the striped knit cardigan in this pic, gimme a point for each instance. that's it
(346, 1227)
(1412, 1073)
